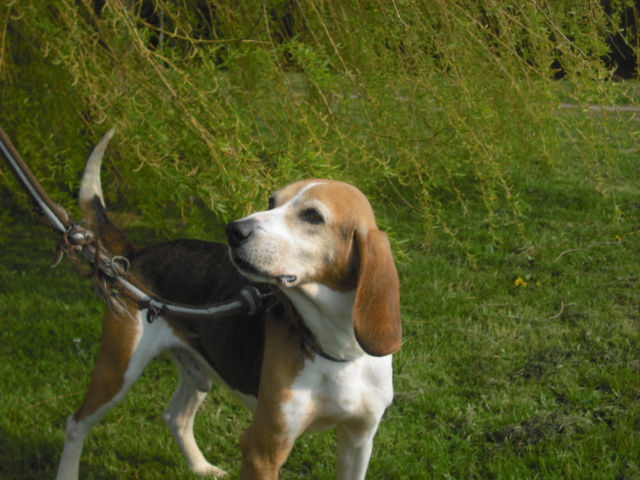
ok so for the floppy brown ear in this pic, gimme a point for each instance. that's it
(377, 310)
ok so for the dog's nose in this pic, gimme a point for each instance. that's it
(238, 232)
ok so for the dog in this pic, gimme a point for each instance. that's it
(320, 357)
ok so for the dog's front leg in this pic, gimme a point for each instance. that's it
(355, 442)
(267, 442)
(265, 448)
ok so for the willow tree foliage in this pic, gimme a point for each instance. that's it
(423, 104)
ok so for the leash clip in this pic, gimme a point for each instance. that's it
(78, 236)
(153, 310)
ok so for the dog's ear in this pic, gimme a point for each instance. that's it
(377, 309)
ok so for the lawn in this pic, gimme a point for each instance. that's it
(521, 353)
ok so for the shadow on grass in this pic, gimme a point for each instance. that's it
(27, 456)
(35, 457)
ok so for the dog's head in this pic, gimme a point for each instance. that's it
(324, 232)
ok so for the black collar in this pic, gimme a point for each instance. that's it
(308, 338)
(323, 354)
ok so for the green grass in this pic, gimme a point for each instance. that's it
(494, 380)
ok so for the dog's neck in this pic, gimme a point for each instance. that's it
(328, 314)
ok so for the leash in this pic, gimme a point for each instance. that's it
(78, 239)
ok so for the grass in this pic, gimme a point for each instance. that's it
(497, 378)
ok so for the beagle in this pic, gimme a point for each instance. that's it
(318, 358)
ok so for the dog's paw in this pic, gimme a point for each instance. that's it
(209, 470)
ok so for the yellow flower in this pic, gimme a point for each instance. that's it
(520, 282)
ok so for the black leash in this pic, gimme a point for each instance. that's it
(77, 239)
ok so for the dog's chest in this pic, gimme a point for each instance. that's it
(326, 394)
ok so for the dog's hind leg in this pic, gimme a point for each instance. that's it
(123, 356)
(193, 386)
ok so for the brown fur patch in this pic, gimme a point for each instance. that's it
(266, 443)
(117, 347)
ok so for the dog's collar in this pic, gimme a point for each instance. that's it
(322, 353)
(308, 338)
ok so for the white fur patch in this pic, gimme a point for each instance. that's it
(327, 394)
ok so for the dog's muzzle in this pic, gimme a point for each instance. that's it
(239, 233)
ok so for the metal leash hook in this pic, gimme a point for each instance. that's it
(73, 240)
(79, 236)
(119, 265)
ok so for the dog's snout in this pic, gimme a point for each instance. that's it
(238, 232)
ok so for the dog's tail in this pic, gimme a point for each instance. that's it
(93, 206)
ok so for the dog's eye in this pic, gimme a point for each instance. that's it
(272, 202)
(311, 215)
